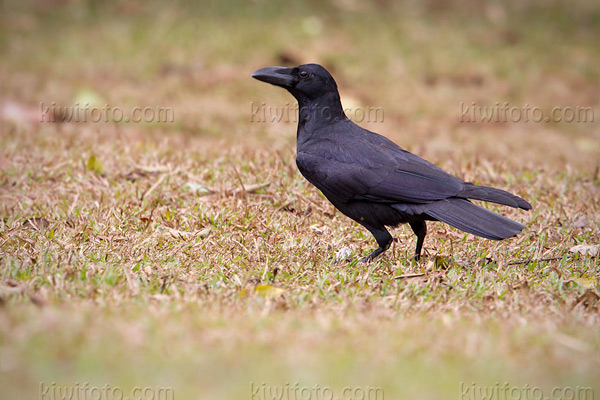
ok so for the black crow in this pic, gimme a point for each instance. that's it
(373, 180)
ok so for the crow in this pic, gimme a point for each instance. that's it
(374, 181)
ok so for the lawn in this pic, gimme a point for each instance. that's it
(184, 256)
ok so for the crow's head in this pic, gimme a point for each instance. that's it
(307, 83)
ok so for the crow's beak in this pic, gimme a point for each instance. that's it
(279, 76)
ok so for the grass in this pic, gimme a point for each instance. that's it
(192, 254)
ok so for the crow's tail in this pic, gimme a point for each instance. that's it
(493, 195)
(471, 218)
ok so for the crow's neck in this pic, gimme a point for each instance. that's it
(318, 113)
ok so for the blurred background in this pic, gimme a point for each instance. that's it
(419, 61)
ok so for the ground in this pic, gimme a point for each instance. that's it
(186, 255)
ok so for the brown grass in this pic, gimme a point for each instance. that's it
(142, 268)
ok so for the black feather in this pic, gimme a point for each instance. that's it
(471, 218)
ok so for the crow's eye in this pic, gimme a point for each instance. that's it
(303, 74)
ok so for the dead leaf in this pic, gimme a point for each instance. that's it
(524, 285)
(12, 283)
(586, 250)
(36, 223)
(203, 233)
(252, 189)
(38, 299)
(269, 291)
(138, 174)
(171, 233)
(94, 164)
(581, 222)
(198, 188)
(438, 262)
(18, 113)
(111, 238)
(588, 283)
(153, 170)
(588, 299)
(11, 288)
(343, 254)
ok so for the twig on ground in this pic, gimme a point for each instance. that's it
(532, 260)
(409, 276)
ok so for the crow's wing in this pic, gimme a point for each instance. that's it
(375, 170)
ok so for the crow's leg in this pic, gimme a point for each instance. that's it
(384, 240)
(420, 229)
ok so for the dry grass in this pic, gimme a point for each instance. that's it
(141, 269)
